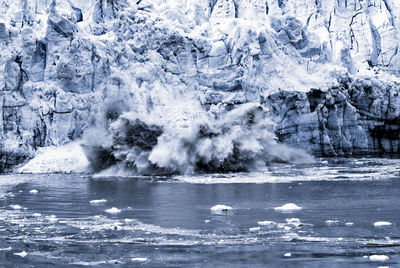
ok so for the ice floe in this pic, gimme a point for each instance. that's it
(36, 214)
(288, 207)
(220, 208)
(21, 254)
(33, 191)
(113, 210)
(376, 257)
(98, 201)
(266, 223)
(382, 224)
(139, 259)
(287, 254)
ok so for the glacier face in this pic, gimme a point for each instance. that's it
(326, 70)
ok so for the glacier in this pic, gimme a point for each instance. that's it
(170, 86)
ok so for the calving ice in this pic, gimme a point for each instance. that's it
(76, 69)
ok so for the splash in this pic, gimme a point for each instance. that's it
(241, 139)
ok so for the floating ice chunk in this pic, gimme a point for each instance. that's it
(266, 223)
(220, 208)
(98, 201)
(33, 191)
(128, 220)
(15, 206)
(21, 254)
(294, 221)
(139, 259)
(207, 221)
(382, 223)
(288, 207)
(254, 229)
(52, 218)
(378, 258)
(36, 214)
(113, 210)
(287, 254)
(349, 224)
(331, 222)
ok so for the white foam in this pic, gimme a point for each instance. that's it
(113, 210)
(220, 208)
(33, 191)
(288, 207)
(139, 259)
(21, 254)
(382, 224)
(98, 201)
(378, 258)
(66, 158)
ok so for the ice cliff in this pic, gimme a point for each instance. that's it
(160, 84)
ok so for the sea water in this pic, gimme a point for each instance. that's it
(331, 213)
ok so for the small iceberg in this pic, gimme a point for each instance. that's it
(15, 207)
(287, 254)
(98, 201)
(21, 254)
(382, 224)
(378, 258)
(33, 191)
(113, 210)
(220, 208)
(139, 259)
(288, 207)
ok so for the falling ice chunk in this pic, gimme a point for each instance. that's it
(99, 201)
(113, 210)
(382, 223)
(21, 254)
(220, 208)
(288, 207)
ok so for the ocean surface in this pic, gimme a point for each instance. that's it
(345, 213)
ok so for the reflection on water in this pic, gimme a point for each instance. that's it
(167, 222)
